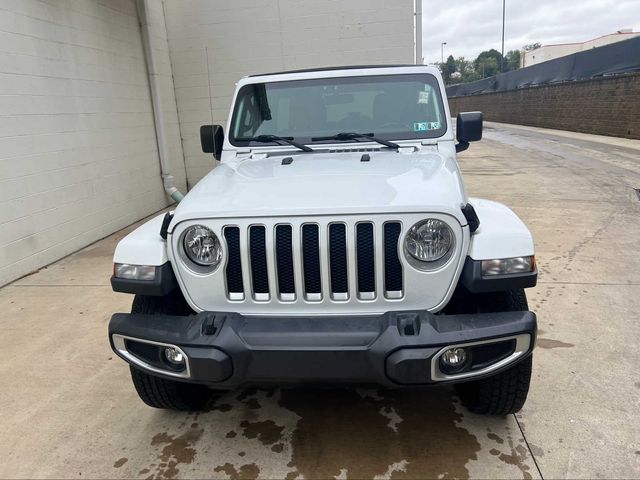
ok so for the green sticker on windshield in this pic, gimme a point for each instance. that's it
(425, 126)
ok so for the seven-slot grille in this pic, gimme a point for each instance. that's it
(361, 261)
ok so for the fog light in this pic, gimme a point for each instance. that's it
(174, 356)
(454, 357)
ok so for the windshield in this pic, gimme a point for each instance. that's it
(391, 107)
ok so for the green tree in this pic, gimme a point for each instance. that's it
(451, 65)
(512, 60)
(488, 63)
(486, 66)
(467, 71)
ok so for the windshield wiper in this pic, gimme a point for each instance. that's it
(354, 136)
(276, 138)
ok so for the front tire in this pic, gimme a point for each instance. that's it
(502, 394)
(506, 392)
(160, 392)
(168, 394)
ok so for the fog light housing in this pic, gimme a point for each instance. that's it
(454, 357)
(453, 360)
(174, 356)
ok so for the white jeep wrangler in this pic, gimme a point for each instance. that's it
(334, 243)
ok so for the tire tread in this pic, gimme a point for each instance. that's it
(506, 392)
(160, 392)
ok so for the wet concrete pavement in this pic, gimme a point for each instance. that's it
(69, 410)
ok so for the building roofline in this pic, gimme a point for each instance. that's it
(590, 40)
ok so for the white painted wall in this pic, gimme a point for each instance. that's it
(78, 148)
(215, 42)
(78, 153)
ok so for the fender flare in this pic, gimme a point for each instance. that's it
(143, 246)
(501, 233)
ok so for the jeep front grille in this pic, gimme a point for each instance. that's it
(313, 261)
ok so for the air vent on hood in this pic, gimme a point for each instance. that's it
(345, 150)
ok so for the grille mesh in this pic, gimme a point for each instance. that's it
(284, 259)
(258, 255)
(392, 265)
(234, 270)
(311, 258)
(365, 255)
(341, 243)
(338, 258)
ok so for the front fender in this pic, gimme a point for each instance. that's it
(501, 234)
(143, 246)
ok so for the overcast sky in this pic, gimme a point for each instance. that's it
(471, 26)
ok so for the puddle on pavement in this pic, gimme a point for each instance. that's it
(343, 433)
(327, 433)
(177, 450)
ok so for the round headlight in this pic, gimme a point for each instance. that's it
(202, 246)
(429, 240)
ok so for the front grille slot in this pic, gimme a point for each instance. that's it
(284, 262)
(333, 262)
(365, 260)
(233, 272)
(338, 261)
(258, 261)
(311, 261)
(393, 285)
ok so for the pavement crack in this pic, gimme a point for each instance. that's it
(533, 457)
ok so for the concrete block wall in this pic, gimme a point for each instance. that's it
(215, 42)
(78, 152)
(601, 106)
(78, 148)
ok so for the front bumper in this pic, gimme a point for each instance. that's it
(227, 350)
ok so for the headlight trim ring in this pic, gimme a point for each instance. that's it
(203, 238)
(439, 259)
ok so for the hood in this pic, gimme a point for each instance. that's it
(327, 183)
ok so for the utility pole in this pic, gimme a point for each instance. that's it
(442, 51)
(502, 57)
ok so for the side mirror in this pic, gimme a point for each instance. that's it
(468, 129)
(212, 139)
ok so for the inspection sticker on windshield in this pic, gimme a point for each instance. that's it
(423, 97)
(424, 126)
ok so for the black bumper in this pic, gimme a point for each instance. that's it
(226, 350)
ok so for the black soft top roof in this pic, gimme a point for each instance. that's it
(347, 67)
